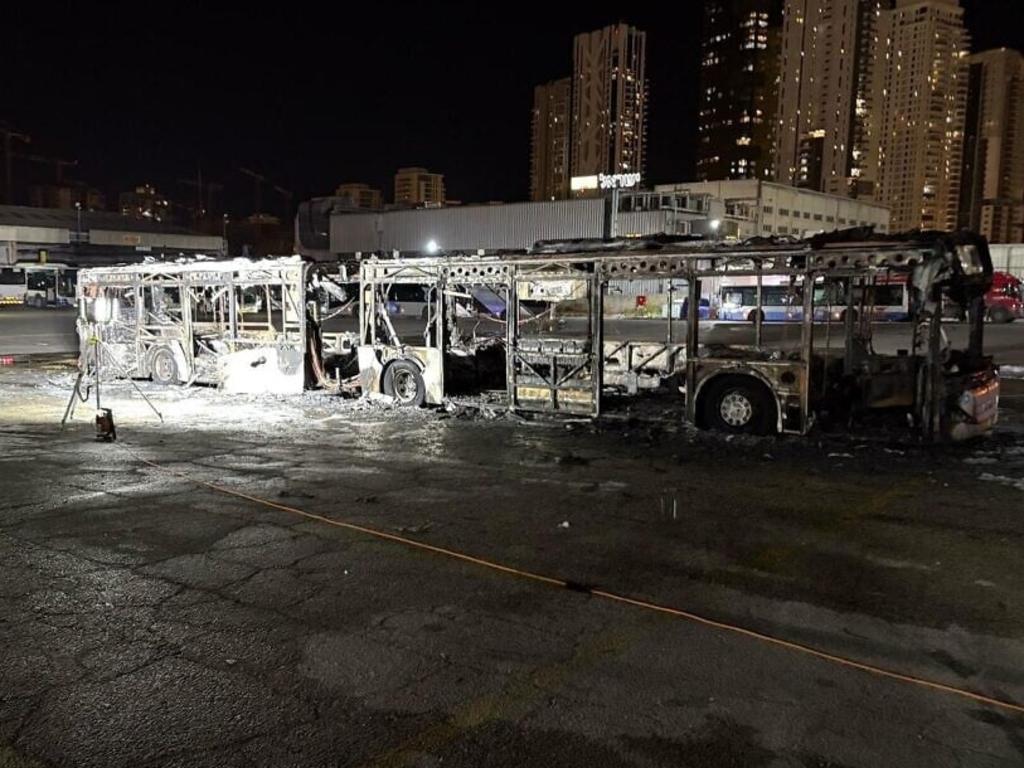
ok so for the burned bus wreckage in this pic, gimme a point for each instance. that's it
(533, 330)
(239, 324)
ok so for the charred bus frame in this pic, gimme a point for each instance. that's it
(239, 324)
(951, 393)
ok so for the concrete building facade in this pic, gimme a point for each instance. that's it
(992, 192)
(757, 208)
(359, 196)
(739, 70)
(418, 186)
(825, 101)
(549, 140)
(919, 87)
(609, 101)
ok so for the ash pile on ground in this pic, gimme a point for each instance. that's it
(39, 392)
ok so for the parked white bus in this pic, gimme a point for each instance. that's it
(38, 285)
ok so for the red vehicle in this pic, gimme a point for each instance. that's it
(1004, 301)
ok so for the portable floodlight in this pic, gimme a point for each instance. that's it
(101, 309)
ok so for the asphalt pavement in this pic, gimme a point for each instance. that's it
(146, 620)
(25, 331)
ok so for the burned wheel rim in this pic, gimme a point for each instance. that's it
(405, 386)
(736, 409)
(403, 381)
(163, 368)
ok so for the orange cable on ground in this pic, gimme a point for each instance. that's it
(611, 596)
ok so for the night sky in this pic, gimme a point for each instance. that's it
(312, 97)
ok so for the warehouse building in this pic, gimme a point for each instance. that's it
(761, 208)
(327, 228)
(92, 238)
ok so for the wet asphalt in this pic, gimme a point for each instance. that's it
(148, 621)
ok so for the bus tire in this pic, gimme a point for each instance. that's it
(752, 316)
(404, 382)
(845, 312)
(1000, 315)
(739, 405)
(163, 368)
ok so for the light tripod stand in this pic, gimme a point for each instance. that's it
(90, 374)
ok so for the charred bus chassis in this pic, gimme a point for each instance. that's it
(239, 324)
(754, 388)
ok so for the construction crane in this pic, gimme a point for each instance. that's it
(58, 164)
(259, 179)
(210, 187)
(10, 135)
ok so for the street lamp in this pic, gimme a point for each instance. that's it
(78, 210)
(433, 247)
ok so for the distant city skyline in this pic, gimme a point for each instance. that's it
(992, 192)
(739, 68)
(609, 101)
(878, 100)
(550, 138)
(304, 121)
(594, 121)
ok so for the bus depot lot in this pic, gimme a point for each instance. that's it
(145, 620)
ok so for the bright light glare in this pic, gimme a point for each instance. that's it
(432, 247)
(102, 309)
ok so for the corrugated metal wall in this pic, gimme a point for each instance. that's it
(507, 226)
(640, 287)
(709, 287)
(1008, 258)
(639, 223)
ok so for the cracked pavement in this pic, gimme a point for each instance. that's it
(147, 621)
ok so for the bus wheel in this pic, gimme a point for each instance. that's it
(752, 316)
(845, 312)
(738, 404)
(402, 380)
(163, 368)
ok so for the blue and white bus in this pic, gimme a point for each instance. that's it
(884, 301)
(779, 303)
